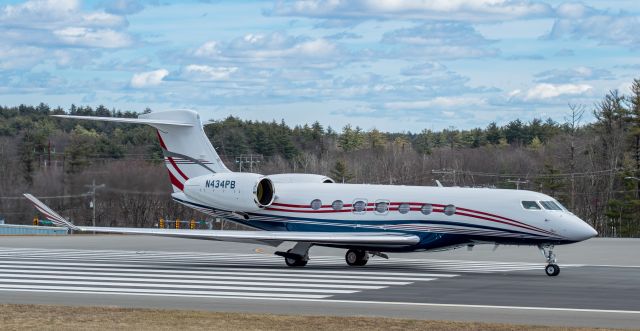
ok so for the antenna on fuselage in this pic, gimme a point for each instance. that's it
(439, 184)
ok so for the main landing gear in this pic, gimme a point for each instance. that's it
(552, 269)
(356, 257)
(298, 256)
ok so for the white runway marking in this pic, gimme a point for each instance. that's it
(194, 274)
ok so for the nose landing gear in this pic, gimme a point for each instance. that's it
(552, 269)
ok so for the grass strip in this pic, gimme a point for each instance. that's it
(52, 317)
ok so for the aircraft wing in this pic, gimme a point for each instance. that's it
(387, 239)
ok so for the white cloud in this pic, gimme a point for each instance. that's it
(51, 23)
(101, 38)
(446, 40)
(467, 10)
(438, 102)
(149, 78)
(56, 14)
(449, 114)
(573, 10)
(99, 19)
(208, 49)
(576, 21)
(271, 50)
(207, 73)
(41, 8)
(547, 91)
(24, 57)
(312, 48)
(571, 75)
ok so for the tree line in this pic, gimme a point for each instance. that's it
(591, 167)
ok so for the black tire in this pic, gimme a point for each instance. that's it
(356, 257)
(295, 262)
(552, 270)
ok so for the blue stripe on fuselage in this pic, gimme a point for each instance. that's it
(279, 222)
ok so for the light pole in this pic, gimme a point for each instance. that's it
(518, 182)
(93, 188)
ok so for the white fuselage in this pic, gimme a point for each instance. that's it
(473, 214)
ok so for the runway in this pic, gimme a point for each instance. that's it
(421, 285)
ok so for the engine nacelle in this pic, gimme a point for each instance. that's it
(232, 191)
(300, 178)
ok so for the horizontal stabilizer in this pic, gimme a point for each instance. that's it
(127, 120)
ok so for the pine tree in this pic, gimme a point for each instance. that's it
(536, 143)
(493, 133)
(340, 173)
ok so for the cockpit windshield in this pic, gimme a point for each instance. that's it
(551, 205)
(560, 205)
(530, 205)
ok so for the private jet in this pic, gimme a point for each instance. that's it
(313, 210)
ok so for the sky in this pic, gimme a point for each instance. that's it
(396, 65)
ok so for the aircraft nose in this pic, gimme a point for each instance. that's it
(583, 231)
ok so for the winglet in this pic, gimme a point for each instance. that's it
(51, 215)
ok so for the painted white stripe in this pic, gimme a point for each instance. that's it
(181, 286)
(286, 271)
(209, 256)
(202, 294)
(121, 278)
(291, 277)
(159, 256)
(278, 262)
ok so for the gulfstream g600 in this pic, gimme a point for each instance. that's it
(366, 220)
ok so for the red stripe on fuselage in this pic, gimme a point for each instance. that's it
(311, 211)
(518, 223)
(435, 210)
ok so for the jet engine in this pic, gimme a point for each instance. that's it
(237, 192)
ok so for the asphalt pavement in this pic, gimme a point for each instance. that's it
(599, 284)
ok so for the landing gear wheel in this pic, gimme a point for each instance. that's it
(356, 257)
(552, 269)
(295, 262)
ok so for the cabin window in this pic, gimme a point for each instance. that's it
(359, 206)
(550, 205)
(316, 204)
(337, 205)
(382, 207)
(426, 209)
(530, 205)
(449, 210)
(404, 208)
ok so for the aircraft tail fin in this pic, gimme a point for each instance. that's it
(51, 215)
(187, 150)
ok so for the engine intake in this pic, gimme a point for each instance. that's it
(264, 192)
